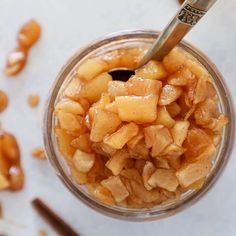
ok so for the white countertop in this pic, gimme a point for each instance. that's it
(68, 25)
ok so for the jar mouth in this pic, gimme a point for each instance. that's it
(157, 212)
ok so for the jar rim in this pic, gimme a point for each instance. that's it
(126, 213)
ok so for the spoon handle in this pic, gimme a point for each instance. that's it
(186, 18)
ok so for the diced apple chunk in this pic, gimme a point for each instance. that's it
(4, 183)
(117, 88)
(83, 161)
(181, 77)
(193, 172)
(164, 179)
(64, 141)
(91, 68)
(169, 94)
(116, 187)
(196, 143)
(148, 170)
(140, 109)
(150, 134)
(164, 118)
(173, 109)
(139, 151)
(162, 140)
(82, 142)
(118, 139)
(70, 106)
(175, 60)
(141, 87)
(117, 162)
(152, 70)
(179, 132)
(73, 89)
(112, 107)
(79, 177)
(93, 89)
(135, 140)
(69, 121)
(104, 122)
(103, 195)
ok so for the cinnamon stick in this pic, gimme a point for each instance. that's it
(53, 219)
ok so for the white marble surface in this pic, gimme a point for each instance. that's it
(68, 25)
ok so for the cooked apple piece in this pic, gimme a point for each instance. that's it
(132, 174)
(179, 132)
(127, 59)
(140, 151)
(69, 121)
(175, 60)
(4, 165)
(180, 78)
(117, 162)
(111, 58)
(196, 143)
(83, 161)
(91, 68)
(118, 139)
(103, 195)
(64, 140)
(139, 164)
(104, 122)
(4, 183)
(93, 89)
(196, 68)
(173, 109)
(162, 140)
(97, 172)
(97, 148)
(82, 142)
(150, 134)
(173, 150)
(141, 194)
(84, 103)
(152, 70)
(164, 118)
(141, 87)
(175, 162)
(117, 88)
(135, 140)
(140, 109)
(164, 179)
(201, 91)
(112, 107)
(69, 106)
(193, 172)
(16, 178)
(208, 153)
(161, 162)
(116, 187)
(220, 122)
(129, 163)
(189, 113)
(148, 170)
(108, 149)
(103, 101)
(198, 184)
(73, 89)
(79, 177)
(169, 94)
(9, 148)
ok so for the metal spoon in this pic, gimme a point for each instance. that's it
(186, 18)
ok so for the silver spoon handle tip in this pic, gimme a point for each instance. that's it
(186, 18)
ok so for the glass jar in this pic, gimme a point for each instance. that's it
(121, 40)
